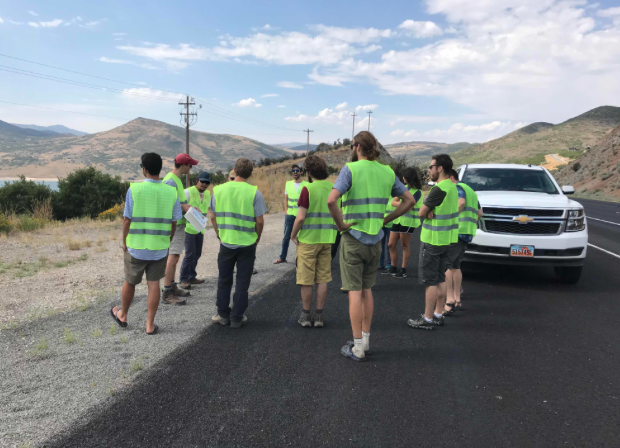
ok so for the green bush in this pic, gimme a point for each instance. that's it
(576, 166)
(87, 192)
(606, 176)
(21, 196)
(5, 225)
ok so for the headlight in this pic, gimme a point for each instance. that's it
(576, 220)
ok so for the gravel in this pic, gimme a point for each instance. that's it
(54, 369)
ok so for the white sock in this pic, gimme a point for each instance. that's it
(427, 320)
(358, 347)
(437, 315)
(366, 339)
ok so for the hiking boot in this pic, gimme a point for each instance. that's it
(389, 270)
(185, 285)
(401, 274)
(196, 281)
(169, 298)
(420, 323)
(179, 292)
(305, 320)
(217, 319)
(347, 350)
(318, 320)
(438, 321)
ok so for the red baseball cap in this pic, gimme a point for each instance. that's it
(185, 159)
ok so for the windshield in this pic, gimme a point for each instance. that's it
(507, 179)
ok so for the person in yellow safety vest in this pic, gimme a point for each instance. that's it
(198, 197)
(231, 177)
(291, 196)
(172, 294)
(366, 187)
(314, 232)
(405, 225)
(440, 229)
(469, 214)
(151, 212)
(236, 212)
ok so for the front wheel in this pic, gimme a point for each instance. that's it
(568, 274)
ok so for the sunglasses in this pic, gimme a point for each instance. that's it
(204, 182)
(354, 145)
(141, 166)
(432, 166)
(296, 171)
(231, 178)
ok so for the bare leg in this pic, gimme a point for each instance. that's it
(394, 237)
(405, 240)
(449, 286)
(431, 301)
(127, 294)
(368, 307)
(152, 302)
(171, 269)
(306, 296)
(457, 281)
(321, 295)
(356, 313)
(441, 298)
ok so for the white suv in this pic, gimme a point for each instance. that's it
(528, 220)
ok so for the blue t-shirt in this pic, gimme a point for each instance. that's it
(344, 183)
(147, 254)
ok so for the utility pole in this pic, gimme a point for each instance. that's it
(308, 131)
(369, 112)
(353, 131)
(188, 118)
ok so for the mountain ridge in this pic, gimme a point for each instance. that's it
(57, 128)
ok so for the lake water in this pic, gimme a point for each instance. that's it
(53, 184)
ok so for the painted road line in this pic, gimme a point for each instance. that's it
(604, 250)
(602, 220)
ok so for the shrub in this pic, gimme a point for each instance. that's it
(576, 166)
(23, 195)
(606, 176)
(112, 213)
(88, 192)
(5, 225)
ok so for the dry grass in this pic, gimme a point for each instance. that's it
(43, 210)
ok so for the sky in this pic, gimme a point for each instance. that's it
(434, 70)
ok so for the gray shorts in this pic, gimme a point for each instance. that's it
(178, 242)
(456, 254)
(433, 264)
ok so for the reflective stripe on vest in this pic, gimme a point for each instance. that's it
(468, 219)
(293, 196)
(202, 205)
(151, 221)
(412, 217)
(366, 202)
(389, 209)
(180, 192)
(319, 226)
(234, 214)
(443, 229)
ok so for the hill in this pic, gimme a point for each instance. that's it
(57, 128)
(118, 151)
(531, 143)
(304, 147)
(418, 152)
(597, 171)
(10, 133)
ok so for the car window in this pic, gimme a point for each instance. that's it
(507, 179)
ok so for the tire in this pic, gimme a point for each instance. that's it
(568, 274)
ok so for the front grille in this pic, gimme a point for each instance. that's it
(515, 228)
(521, 211)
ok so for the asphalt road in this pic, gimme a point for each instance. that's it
(529, 362)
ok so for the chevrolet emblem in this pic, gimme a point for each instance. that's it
(523, 219)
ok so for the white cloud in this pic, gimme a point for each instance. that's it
(415, 119)
(250, 102)
(610, 12)
(372, 48)
(15, 23)
(146, 92)
(282, 106)
(352, 35)
(397, 132)
(52, 24)
(265, 27)
(289, 85)
(362, 125)
(92, 23)
(32, 13)
(1, 21)
(366, 107)
(459, 132)
(33, 24)
(327, 115)
(126, 62)
(420, 29)
(520, 125)
(269, 95)
(162, 52)
(342, 106)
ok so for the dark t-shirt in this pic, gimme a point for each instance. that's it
(435, 198)
(304, 198)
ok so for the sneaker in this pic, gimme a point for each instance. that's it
(366, 352)
(254, 271)
(438, 321)
(305, 320)
(421, 323)
(347, 351)
(169, 298)
(217, 319)
(185, 285)
(401, 274)
(179, 292)
(242, 322)
(393, 271)
(197, 281)
(388, 270)
(318, 320)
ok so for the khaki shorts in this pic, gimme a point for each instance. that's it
(135, 269)
(314, 263)
(178, 242)
(358, 263)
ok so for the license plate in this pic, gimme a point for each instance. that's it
(522, 251)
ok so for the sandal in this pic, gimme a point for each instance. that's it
(458, 305)
(114, 315)
(155, 330)
(452, 306)
(279, 261)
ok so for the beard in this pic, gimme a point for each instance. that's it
(354, 157)
(435, 177)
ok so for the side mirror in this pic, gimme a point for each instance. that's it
(568, 189)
